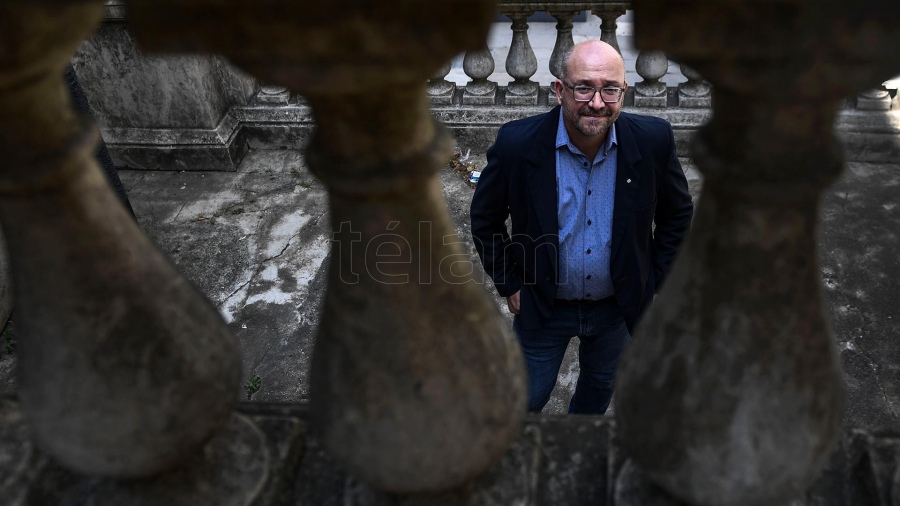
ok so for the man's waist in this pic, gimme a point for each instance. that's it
(584, 302)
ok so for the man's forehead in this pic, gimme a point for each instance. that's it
(593, 72)
(592, 63)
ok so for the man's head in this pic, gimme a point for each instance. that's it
(596, 64)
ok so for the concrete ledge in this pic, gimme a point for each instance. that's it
(867, 136)
(556, 461)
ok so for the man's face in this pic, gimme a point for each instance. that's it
(595, 66)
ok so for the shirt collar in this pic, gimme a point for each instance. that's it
(562, 137)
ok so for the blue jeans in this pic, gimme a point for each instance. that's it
(603, 334)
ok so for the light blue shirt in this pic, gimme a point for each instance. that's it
(586, 193)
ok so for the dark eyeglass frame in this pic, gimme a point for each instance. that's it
(618, 89)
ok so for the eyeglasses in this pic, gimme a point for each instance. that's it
(583, 93)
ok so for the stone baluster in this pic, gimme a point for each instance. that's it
(651, 66)
(124, 368)
(273, 95)
(418, 367)
(564, 41)
(731, 391)
(479, 65)
(877, 99)
(563, 44)
(695, 92)
(440, 90)
(521, 63)
(609, 16)
(417, 383)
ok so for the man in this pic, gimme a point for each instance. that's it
(583, 185)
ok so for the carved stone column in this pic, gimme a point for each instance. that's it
(564, 41)
(651, 66)
(695, 93)
(124, 368)
(273, 95)
(521, 64)
(876, 99)
(731, 391)
(563, 44)
(479, 65)
(417, 384)
(440, 90)
(412, 368)
(609, 16)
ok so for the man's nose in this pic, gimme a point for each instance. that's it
(597, 102)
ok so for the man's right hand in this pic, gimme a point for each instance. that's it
(512, 302)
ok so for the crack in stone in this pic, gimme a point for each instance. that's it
(179, 213)
(239, 289)
(135, 184)
(286, 246)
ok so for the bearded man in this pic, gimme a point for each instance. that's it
(583, 184)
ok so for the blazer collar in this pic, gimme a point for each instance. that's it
(627, 180)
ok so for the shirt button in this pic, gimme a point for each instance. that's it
(588, 276)
(585, 164)
(588, 252)
(589, 192)
(589, 222)
(587, 295)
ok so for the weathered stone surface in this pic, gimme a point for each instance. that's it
(124, 367)
(731, 390)
(478, 65)
(859, 240)
(556, 461)
(20, 460)
(650, 92)
(156, 110)
(231, 470)
(521, 64)
(435, 371)
(256, 242)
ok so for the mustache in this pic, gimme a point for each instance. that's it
(588, 111)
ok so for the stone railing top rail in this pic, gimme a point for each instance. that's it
(504, 5)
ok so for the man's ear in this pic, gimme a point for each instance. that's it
(557, 87)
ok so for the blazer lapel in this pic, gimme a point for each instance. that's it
(627, 180)
(541, 177)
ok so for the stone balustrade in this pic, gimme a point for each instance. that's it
(200, 113)
(730, 394)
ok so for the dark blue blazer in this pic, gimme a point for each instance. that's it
(520, 181)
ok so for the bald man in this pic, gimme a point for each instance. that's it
(584, 184)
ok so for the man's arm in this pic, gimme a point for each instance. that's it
(488, 212)
(674, 210)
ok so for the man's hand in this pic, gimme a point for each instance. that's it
(513, 302)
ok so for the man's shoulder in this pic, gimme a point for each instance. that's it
(644, 125)
(522, 129)
(530, 121)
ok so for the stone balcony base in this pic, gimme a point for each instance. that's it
(556, 461)
(867, 136)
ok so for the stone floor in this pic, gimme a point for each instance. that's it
(257, 243)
